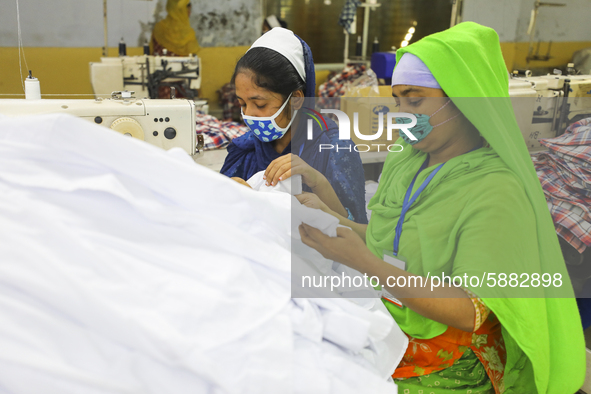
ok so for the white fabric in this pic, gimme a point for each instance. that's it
(314, 217)
(386, 353)
(286, 43)
(292, 185)
(128, 269)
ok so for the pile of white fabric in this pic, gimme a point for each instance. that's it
(128, 269)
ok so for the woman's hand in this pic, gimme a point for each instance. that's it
(288, 165)
(346, 248)
(240, 180)
(311, 200)
(447, 305)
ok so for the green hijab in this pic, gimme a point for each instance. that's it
(484, 212)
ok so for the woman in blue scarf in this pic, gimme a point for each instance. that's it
(279, 67)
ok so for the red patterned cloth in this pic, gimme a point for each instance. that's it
(565, 174)
(217, 134)
(337, 85)
(427, 356)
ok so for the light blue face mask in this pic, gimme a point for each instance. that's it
(423, 127)
(265, 128)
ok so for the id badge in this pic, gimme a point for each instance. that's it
(399, 262)
(396, 261)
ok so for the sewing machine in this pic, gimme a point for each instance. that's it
(545, 105)
(164, 123)
(145, 74)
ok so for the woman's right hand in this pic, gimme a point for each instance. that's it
(346, 248)
(289, 165)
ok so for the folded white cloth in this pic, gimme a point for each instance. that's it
(292, 185)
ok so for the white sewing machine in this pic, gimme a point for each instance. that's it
(144, 74)
(545, 105)
(164, 123)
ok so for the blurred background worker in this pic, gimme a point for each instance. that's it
(272, 21)
(174, 33)
(174, 36)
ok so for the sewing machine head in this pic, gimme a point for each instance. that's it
(145, 74)
(540, 105)
(164, 123)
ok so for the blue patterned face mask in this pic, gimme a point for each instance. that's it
(423, 127)
(265, 128)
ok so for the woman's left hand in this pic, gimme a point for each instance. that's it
(346, 248)
(288, 165)
(311, 200)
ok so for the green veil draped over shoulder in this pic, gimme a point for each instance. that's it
(484, 212)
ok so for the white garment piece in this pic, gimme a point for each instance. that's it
(316, 218)
(292, 185)
(300, 214)
(387, 342)
(128, 269)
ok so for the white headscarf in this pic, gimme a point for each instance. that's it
(286, 43)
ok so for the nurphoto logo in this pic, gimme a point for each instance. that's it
(393, 120)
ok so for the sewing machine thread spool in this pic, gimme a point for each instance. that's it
(122, 48)
(32, 88)
(358, 47)
(146, 48)
(376, 46)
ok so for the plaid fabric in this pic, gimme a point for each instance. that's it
(565, 174)
(229, 102)
(574, 147)
(218, 134)
(348, 14)
(337, 85)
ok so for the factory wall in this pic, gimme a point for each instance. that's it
(66, 70)
(61, 37)
(567, 27)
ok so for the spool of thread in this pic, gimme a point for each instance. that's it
(32, 88)
(376, 46)
(359, 46)
(122, 48)
(146, 48)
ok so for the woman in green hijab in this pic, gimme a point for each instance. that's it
(463, 200)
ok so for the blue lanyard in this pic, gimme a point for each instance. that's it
(408, 200)
(301, 149)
